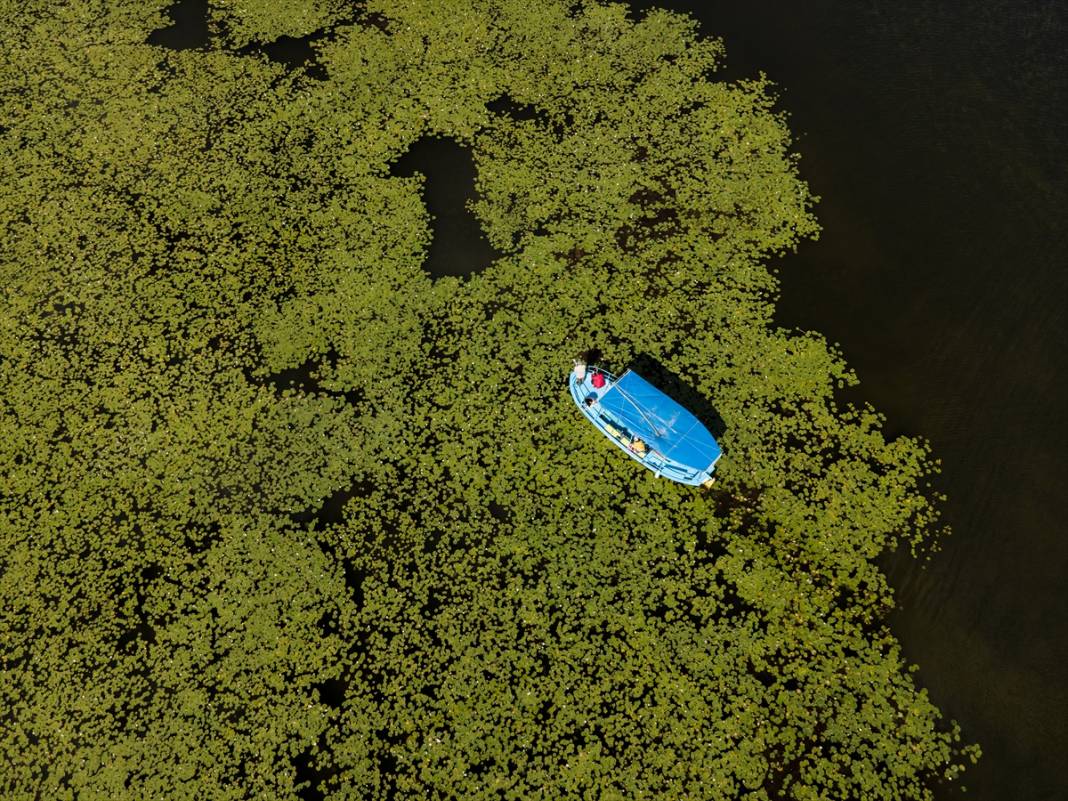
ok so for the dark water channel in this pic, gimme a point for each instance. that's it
(458, 247)
(936, 134)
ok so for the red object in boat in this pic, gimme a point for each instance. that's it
(598, 380)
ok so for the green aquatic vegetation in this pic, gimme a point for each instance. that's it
(243, 21)
(274, 498)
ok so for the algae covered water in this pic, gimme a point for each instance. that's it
(295, 504)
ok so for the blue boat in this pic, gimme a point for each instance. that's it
(646, 424)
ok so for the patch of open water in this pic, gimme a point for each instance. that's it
(458, 246)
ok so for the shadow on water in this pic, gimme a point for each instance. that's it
(681, 390)
(459, 247)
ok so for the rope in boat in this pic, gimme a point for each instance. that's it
(637, 406)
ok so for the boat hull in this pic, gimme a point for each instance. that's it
(588, 399)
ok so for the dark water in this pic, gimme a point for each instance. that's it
(936, 134)
(189, 28)
(458, 246)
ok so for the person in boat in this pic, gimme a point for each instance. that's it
(638, 446)
(597, 379)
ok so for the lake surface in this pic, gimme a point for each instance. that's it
(936, 134)
(459, 246)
